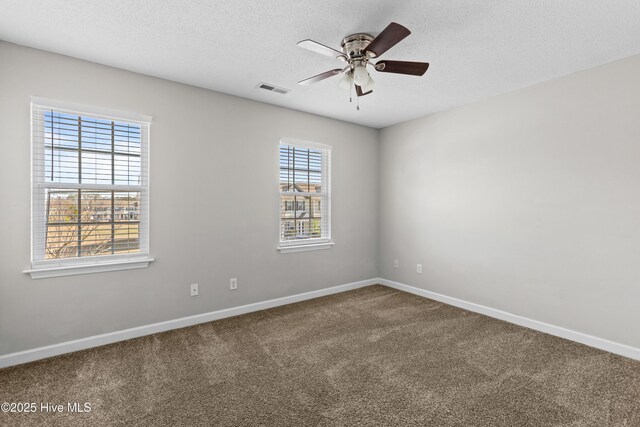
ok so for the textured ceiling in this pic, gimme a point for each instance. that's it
(476, 48)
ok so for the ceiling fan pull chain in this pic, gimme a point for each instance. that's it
(358, 103)
(350, 87)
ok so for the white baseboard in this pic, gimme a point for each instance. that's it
(126, 334)
(17, 358)
(590, 340)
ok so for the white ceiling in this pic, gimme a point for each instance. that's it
(476, 49)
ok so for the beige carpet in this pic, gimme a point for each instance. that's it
(373, 356)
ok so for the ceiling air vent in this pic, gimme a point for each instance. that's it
(273, 88)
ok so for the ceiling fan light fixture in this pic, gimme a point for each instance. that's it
(368, 86)
(346, 81)
(360, 75)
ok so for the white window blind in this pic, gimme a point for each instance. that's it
(305, 195)
(90, 187)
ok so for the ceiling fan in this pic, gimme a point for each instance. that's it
(357, 50)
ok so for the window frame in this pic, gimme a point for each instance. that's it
(42, 267)
(309, 244)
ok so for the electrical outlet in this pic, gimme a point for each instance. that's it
(395, 263)
(419, 268)
(233, 283)
(194, 290)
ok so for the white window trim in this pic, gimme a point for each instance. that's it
(286, 247)
(91, 264)
(311, 246)
(91, 110)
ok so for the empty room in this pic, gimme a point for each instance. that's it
(296, 213)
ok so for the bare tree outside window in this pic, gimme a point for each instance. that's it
(91, 223)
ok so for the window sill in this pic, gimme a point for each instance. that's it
(97, 267)
(304, 247)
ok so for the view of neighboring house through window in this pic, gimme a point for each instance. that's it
(89, 186)
(304, 193)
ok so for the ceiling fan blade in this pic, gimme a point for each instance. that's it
(402, 67)
(359, 91)
(388, 38)
(320, 48)
(320, 76)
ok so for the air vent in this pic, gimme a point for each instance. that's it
(273, 88)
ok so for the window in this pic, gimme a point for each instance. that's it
(89, 190)
(305, 196)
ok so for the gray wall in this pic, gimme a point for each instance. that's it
(528, 202)
(214, 204)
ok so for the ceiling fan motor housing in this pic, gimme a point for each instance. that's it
(354, 47)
